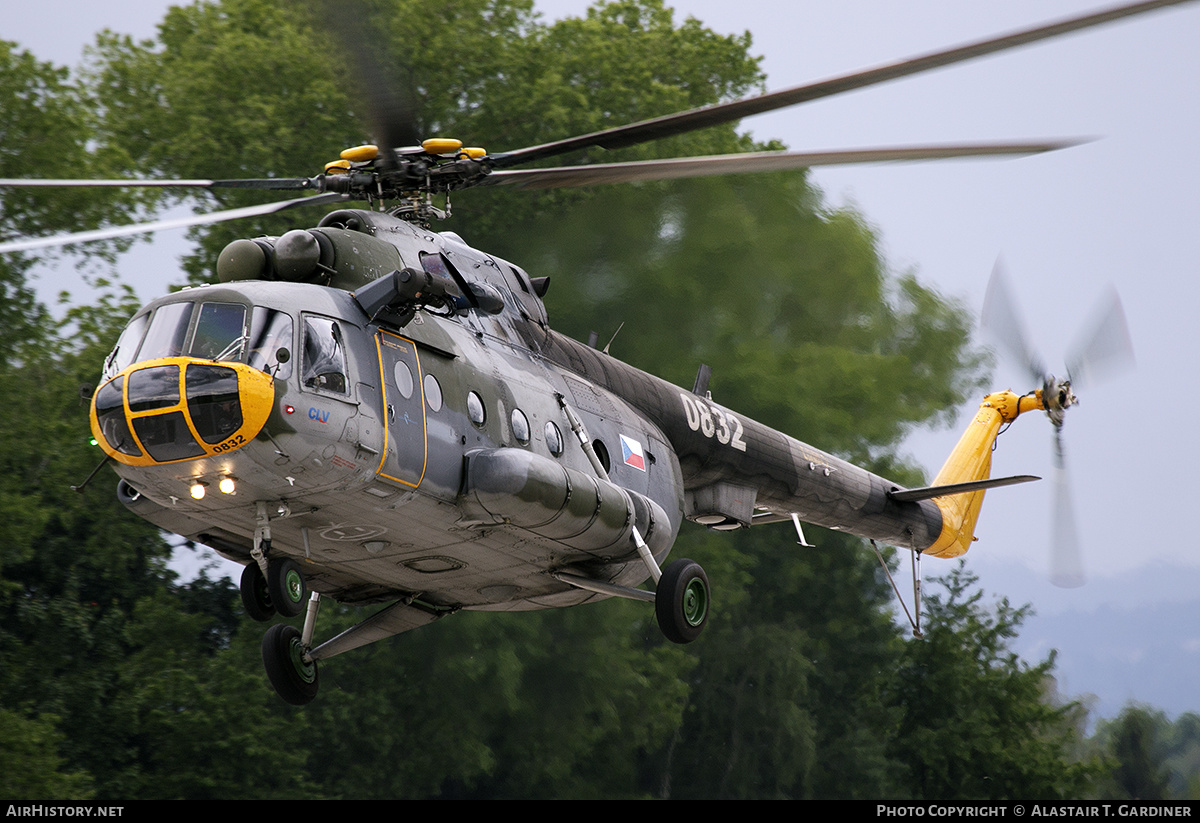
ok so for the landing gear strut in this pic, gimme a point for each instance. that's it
(681, 597)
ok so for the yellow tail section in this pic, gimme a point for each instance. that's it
(971, 460)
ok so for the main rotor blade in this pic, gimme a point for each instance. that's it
(266, 183)
(1105, 348)
(672, 124)
(683, 167)
(391, 111)
(174, 223)
(1001, 321)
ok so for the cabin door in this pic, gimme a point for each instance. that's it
(405, 450)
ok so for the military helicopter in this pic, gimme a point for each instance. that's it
(376, 412)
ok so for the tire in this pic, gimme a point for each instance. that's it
(294, 680)
(285, 582)
(681, 601)
(256, 597)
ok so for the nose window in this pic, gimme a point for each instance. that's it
(147, 412)
(212, 393)
(166, 437)
(156, 388)
(110, 414)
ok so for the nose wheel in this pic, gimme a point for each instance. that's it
(285, 582)
(256, 596)
(681, 601)
(282, 591)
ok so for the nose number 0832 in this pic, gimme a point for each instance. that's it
(230, 444)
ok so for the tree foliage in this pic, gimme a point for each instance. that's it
(1149, 757)
(978, 722)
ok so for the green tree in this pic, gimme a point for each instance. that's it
(30, 765)
(978, 722)
(551, 705)
(45, 132)
(1135, 745)
(1182, 748)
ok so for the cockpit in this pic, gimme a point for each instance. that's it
(191, 378)
(210, 331)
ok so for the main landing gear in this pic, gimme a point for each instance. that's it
(681, 601)
(291, 671)
(682, 596)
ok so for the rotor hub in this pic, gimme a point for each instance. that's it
(1057, 397)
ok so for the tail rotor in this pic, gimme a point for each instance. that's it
(1102, 351)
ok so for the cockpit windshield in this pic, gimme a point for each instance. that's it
(220, 332)
(167, 333)
(210, 331)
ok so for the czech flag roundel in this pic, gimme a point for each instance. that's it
(632, 454)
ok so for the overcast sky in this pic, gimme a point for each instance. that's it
(1122, 210)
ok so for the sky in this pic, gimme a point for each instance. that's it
(1121, 210)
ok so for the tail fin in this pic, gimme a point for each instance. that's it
(971, 463)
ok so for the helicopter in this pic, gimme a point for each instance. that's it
(375, 412)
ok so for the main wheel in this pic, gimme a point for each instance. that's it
(285, 582)
(293, 679)
(681, 601)
(256, 597)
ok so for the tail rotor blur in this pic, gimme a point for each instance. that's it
(1103, 350)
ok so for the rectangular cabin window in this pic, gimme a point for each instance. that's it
(324, 360)
(271, 342)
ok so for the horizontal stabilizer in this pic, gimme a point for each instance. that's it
(929, 492)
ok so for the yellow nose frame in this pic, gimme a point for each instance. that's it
(180, 408)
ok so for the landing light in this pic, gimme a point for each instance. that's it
(197, 490)
(227, 485)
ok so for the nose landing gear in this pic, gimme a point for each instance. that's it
(288, 589)
(271, 586)
(282, 590)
